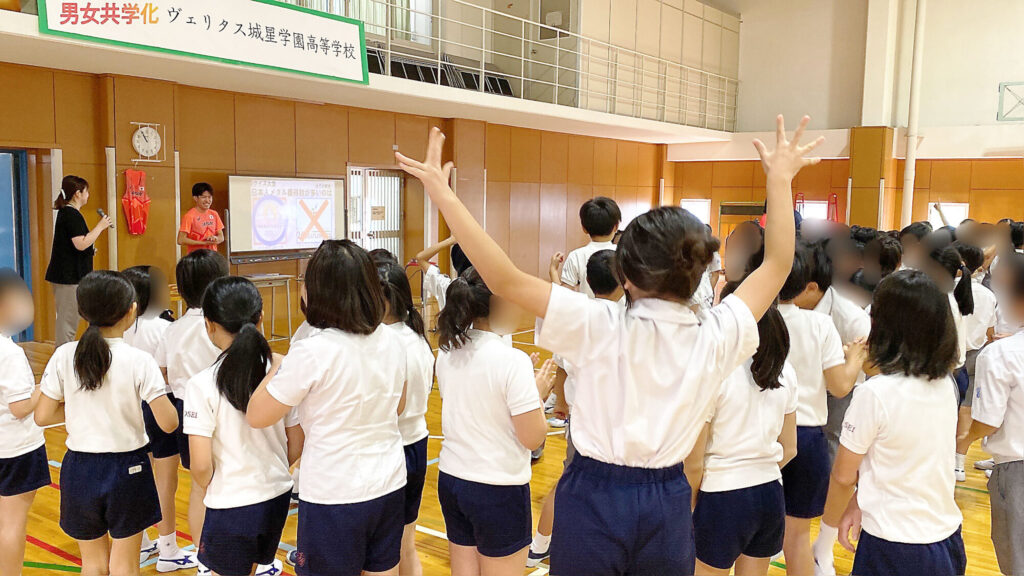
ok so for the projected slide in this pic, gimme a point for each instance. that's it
(284, 213)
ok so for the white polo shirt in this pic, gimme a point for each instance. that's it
(906, 429)
(646, 376)
(108, 419)
(419, 362)
(814, 346)
(850, 320)
(186, 350)
(250, 465)
(147, 333)
(17, 383)
(435, 285)
(483, 385)
(977, 324)
(961, 332)
(743, 446)
(302, 332)
(347, 388)
(999, 397)
(574, 271)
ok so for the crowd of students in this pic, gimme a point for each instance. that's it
(709, 422)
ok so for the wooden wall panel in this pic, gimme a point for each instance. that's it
(498, 213)
(627, 157)
(469, 143)
(649, 164)
(27, 102)
(524, 165)
(321, 140)
(156, 246)
(141, 100)
(411, 134)
(950, 181)
(1002, 174)
(554, 158)
(604, 163)
(581, 160)
(79, 129)
(576, 195)
(993, 186)
(499, 152)
(524, 226)
(264, 136)
(205, 128)
(371, 137)
(735, 174)
(553, 216)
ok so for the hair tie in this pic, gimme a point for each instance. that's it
(62, 194)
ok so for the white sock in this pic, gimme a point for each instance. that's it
(541, 543)
(961, 459)
(146, 542)
(822, 548)
(167, 545)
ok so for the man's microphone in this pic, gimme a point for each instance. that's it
(104, 215)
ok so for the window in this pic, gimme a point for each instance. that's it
(701, 208)
(411, 19)
(953, 211)
(815, 210)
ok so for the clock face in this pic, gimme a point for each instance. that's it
(146, 141)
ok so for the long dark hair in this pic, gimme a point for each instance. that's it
(773, 347)
(104, 299)
(949, 259)
(69, 186)
(468, 298)
(342, 289)
(398, 295)
(912, 329)
(235, 304)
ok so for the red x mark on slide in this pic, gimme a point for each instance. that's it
(314, 220)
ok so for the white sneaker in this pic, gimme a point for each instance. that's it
(148, 550)
(180, 561)
(290, 557)
(556, 422)
(273, 569)
(961, 475)
(988, 473)
(549, 404)
(985, 464)
(203, 570)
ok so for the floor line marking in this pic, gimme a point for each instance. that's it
(54, 550)
(431, 532)
(432, 462)
(969, 489)
(54, 464)
(57, 567)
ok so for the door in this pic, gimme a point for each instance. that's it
(375, 215)
(14, 222)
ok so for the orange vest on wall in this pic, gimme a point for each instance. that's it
(135, 201)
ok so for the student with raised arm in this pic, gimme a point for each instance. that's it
(435, 284)
(637, 416)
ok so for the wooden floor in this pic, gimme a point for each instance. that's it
(50, 551)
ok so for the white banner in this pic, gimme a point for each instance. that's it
(261, 33)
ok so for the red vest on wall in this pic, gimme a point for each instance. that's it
(135, 201)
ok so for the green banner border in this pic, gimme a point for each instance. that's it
(44, 28)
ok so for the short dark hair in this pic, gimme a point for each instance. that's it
(972, 256)
(382, 255)
(665, 251)
(600, 216)
(912, 329)
(799, 275)
(862, 234)
(1007, 220)
(141, 278)
(918, 230)
(819, 263)
(460, 261)
(890, 253)
(342, 289)
(200, 188)
(195, 272)
(1017, 234)
(69, 186)
(601, 273)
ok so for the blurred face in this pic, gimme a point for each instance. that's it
(505, 316)
(740, 246)
(204, 201)
(16, 311)
(911, 250)
(938, 275)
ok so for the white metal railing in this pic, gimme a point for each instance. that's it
(468, 46)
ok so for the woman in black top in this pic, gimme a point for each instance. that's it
(71, 257)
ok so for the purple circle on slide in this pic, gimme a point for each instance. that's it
(269, 221)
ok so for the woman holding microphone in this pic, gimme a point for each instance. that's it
(71, 256)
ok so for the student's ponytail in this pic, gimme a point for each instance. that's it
(235, 305)
(467, 299)
(773, 347)
(104, 299)
(398, 294)
(949, 259)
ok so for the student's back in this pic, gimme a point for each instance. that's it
(186, 350)
(815, 346)
(108, 419)
(419, 360)
(347, 388)
(147, 333)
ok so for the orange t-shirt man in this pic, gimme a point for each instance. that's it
(201, 227)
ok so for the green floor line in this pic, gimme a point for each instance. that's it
(57, 567)
(969, 489)
(779, 565)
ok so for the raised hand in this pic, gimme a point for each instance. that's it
(789, 156)
(546, 378)
(555, 268)
(430, 171)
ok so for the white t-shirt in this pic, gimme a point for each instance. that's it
(147, 333)
(976, 325)
(302, 332)
(999, 397)
(419, 361)
(961, 332)
(483, 385)
(17, 383)
(186, 350)
(435, 285)
(347, 388)
(743, 444)
(108, 419)
(646, 376)
(574, 271)
(906, 429)
(250, 465)
(850, 320)
(814, 346)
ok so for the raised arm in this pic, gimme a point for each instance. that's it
(423, 258)
(495, 267)
(761, 287)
